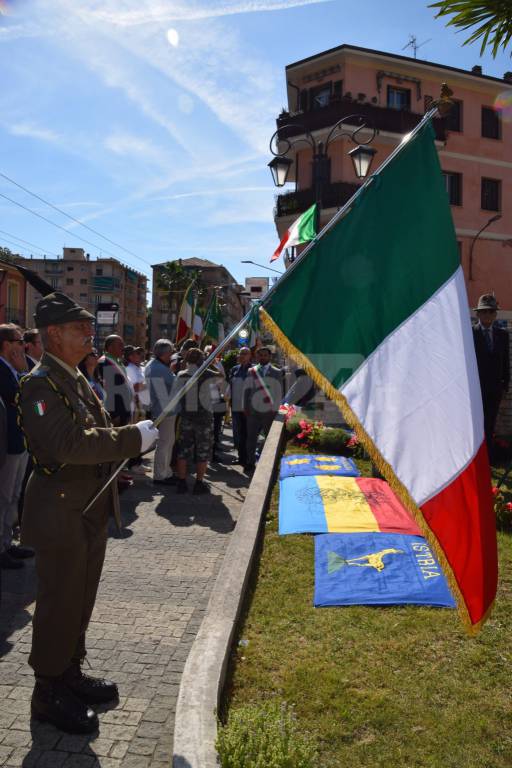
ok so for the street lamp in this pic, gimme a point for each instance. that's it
(497, 217)
(262, 266)
(362, 155)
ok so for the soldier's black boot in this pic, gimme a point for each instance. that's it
(90, 690)
(53, 702)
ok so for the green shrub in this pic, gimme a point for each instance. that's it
(264, 736)
(230, 360)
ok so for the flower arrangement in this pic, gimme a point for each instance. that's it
(502, 508)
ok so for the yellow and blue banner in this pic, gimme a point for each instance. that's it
(378, 569)
(333, 504)
(305, 464)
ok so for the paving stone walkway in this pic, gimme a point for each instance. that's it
(155, 587)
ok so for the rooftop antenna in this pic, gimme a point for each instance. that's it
(413, 43)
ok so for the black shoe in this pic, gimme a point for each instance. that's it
(200, 487)
(53, 702)
(181, 486)
(8, 562)
(236, 461)
(90, 690)
(249, 469)
(20, 553)
(167, 481)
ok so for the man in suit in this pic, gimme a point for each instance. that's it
(33, 347)
(119, 394)
(12, 364)
(237, 378)
(492, 355)
(262, 397)
(74, 447)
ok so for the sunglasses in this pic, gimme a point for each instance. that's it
(16, 341)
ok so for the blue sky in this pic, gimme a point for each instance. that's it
(149, 120)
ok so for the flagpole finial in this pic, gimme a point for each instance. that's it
(445, 102)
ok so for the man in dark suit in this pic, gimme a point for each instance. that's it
(263, 393)
(33, 347)
(492, 355)
(12, 364)
(119, 394)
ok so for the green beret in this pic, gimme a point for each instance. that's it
(57, 308)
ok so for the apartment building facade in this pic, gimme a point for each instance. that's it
(92, 283)
(393, 92)
(12, 295)
(215, 277)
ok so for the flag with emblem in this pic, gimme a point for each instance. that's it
(377, 314)
(378, 569)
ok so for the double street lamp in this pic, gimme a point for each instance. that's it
(362, 155)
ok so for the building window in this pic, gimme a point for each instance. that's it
(320, 96)
(399, 98)
(69, 281)
(54, 281)
(70, 269)
(83, 295)
(99, 271)
(453, 183)
(83, 281)
(491, 195)
(453, 120)
(491, 124)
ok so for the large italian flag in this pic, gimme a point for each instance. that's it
(377, 313)
(186, 316)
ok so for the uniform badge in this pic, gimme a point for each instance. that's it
(40, 407)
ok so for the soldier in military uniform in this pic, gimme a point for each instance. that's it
(74, 447)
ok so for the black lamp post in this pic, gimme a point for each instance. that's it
(497, 217)
(262, 266)
(362, 155)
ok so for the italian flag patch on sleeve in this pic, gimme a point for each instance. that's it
(40, 407)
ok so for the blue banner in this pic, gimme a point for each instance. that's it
(378, 569)
(304, 464)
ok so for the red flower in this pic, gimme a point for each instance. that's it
(495, 490)
(509, 506)
(352, 441)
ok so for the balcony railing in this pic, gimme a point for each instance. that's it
(104, 283)
(382, 118)
(333, 196)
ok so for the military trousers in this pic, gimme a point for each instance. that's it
(68, 574)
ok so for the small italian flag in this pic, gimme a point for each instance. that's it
(186, 316)
(40, 407)
(301, 231)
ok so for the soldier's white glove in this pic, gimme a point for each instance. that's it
(148, 433)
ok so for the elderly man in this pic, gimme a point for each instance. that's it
(73, 446)
(119, 394)
(160, 379)
(492, 356)
(12, 364)
(237, 378)
(263, 394)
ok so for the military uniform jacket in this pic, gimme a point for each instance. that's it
(73, 445)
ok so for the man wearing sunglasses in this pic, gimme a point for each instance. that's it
(12, 472)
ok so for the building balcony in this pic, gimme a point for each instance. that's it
(333, 196)
(382, 118)
(105, 283)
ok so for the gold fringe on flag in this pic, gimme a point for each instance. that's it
(382, 465)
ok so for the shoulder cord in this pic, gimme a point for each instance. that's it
(48, 470)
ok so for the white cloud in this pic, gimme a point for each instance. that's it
(175, 11)
(31, 131)
(128, 145)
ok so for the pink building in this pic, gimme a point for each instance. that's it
(393, 92)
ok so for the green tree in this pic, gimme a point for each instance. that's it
(6, 254)
(492, 19)
(174, 278)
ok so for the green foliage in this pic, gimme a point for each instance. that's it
(6, 254)
(264, 736)
(492, 19)
(230, 360)
(173, 277)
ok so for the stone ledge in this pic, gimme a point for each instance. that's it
(195, 729)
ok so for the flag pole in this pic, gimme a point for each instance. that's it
(337, 216)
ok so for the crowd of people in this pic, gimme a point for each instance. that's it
(131, 390)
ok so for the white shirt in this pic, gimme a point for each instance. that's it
(136, 376)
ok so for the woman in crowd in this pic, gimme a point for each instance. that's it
(89, 368)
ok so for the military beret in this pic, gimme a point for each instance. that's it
(57, 308)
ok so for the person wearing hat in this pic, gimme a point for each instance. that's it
(74, 447)
(492, 356)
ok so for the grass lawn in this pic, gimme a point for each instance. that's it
(399, 686)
